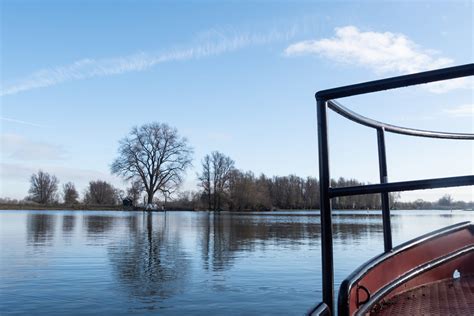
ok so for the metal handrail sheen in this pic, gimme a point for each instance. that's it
(402, 186)
(396, 82)
(353, 116)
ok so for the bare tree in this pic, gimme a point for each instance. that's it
(222, 167)
(70, 193)
(135, 191)
(445, 200)
(155, 154)
(242, 191)
(43, 187)
(205, 179)
(215, 176)
(100, 193)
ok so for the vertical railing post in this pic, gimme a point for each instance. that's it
(387, 229)
(325, 207)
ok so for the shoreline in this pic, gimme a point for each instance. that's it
(29, 207)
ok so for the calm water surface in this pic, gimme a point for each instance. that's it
(193, 263)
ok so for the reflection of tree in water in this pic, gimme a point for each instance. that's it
(222, 235)
(352, 228)
(150, 262)
(132, 222)
(40, 228)
(69, 221)
(98, 224)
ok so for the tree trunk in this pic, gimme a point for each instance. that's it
(209, 199)
(215, 199)
(150, 197)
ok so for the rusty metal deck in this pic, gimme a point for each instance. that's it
(449, 297)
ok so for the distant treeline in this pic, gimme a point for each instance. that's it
(444, 203)
(45, 193)
(247, 192)
(153, 159)
(222, 187)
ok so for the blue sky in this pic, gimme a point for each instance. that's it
(238, 77)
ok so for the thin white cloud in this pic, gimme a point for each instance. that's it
(214, 43)
(15, 121)
(465, 110)
(21, 148)
(381, 52)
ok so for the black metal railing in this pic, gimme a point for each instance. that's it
(325, 100)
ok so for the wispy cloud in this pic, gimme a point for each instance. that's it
(21, 148)
(211, 43)
(15, 121)
(381, 52)
(465, 110)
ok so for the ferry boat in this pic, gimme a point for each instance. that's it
(429, 275)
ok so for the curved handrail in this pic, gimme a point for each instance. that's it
(353, 116)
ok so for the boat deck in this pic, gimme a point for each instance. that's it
(448, 297)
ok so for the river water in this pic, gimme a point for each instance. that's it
(191, 263)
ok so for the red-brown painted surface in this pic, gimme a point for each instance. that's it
(396, 266)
